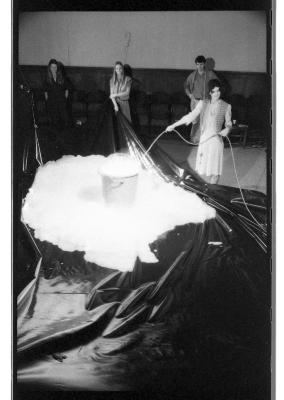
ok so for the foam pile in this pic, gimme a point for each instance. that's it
(66, 207)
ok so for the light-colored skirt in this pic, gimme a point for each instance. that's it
(124, 108)
(209, 159)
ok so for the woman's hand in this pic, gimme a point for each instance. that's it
(116, 108)
(112, 96)
(169, 128)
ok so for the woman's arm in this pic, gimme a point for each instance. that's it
(125, 92)
(67, 87)
(111, 85)
(112, 88)
(120, 94)
(115, 104)
(45, 90)
(228, 122)
(188, 118)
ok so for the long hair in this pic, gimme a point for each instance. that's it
(59, 76)
(114, 78)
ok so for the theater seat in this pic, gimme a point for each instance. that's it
(139, 108)
(239, 132)
(180, 105)
(160, 109)
(94, 100)
(79, 105)
(258, 119)
(239, 108)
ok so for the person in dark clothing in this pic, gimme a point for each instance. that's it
(56, 93)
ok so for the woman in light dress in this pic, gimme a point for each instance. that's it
(215, 116)
(120, 86)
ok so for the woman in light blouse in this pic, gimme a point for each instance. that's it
(214, 113)
(120, 86)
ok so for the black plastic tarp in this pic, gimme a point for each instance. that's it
(197, 323)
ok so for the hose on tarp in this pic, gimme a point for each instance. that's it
(233, 159)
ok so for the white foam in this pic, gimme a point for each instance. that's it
(65, 206)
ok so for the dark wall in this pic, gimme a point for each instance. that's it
(151, 80)
(247, 92)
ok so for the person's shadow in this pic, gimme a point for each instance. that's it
(210, 66)
(136, 87)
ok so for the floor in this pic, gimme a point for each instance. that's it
(250, 163)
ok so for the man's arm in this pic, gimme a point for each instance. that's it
(188, 84)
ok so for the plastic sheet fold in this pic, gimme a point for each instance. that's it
(85, 327)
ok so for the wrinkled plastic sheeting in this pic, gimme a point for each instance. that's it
(67, 311)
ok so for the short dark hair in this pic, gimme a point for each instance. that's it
(52, 61)
(200, 59)
(214, 83)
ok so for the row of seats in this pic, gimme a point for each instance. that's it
(158, 108)
(159, 105)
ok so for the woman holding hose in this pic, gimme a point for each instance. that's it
(215, 117)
